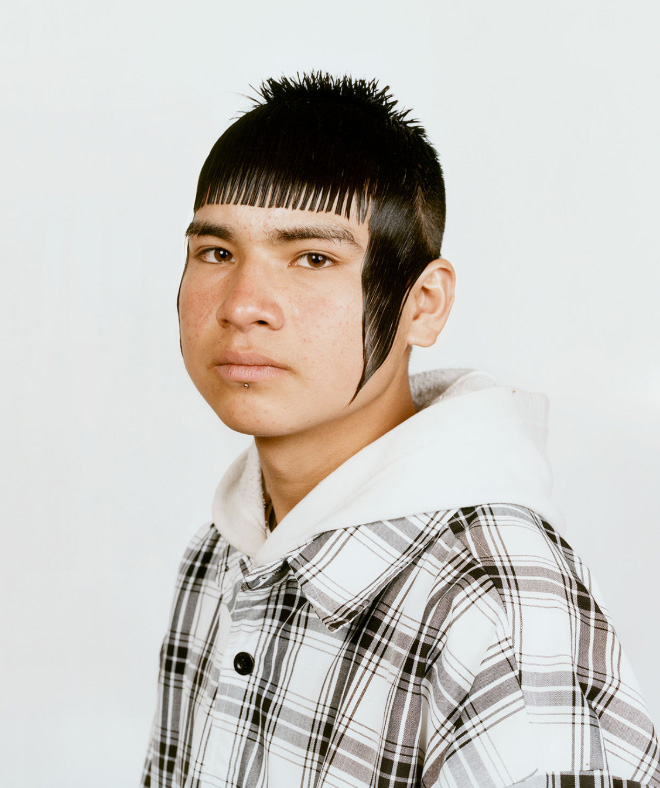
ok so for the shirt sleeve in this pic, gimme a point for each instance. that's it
(531, 686)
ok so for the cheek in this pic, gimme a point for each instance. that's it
(330, 331)
(196, 318)
(195, 307)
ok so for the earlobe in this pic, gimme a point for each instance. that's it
(431, 301)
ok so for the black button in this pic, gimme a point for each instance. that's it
(243, 663)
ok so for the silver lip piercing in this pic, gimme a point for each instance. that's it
(247, 385)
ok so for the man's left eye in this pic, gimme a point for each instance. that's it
(314, 260)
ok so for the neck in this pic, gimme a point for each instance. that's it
(292, 465)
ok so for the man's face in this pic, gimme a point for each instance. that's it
(272, 297)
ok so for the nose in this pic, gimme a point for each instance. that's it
(250, 298)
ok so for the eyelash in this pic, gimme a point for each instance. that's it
(203, 252)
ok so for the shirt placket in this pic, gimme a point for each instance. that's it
(238, 664)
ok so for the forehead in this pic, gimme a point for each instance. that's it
(248, 222)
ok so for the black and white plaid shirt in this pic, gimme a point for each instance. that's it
(448, 650)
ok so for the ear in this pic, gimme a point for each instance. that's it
(430, 302)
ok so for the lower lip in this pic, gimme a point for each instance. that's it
(243, 373)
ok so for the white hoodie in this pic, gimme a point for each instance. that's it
(471, 442)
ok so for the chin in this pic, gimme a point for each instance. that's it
(249, 419)
(271, 413)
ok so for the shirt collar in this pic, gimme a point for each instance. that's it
(343, 571)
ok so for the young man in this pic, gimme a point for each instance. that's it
(382, 598)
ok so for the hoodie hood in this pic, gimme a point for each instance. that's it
(471, 442)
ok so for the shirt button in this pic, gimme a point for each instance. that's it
(243, 663)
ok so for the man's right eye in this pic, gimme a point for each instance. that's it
(215, 255)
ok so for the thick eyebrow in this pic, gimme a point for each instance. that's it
(210, 228)
(310, 233)
(279, 236)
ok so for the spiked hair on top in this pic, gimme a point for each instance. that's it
(323, 143)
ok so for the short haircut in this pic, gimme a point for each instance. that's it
(325, 143)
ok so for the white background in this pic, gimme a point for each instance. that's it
(546, 118)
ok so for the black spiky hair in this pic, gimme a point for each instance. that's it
(323, 143)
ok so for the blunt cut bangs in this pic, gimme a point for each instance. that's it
(335, 144)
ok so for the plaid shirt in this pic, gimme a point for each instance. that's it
(452, 649)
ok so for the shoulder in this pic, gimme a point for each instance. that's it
(206, 554)
(518, 550)
(551, 616)
(506, 548)
(545, 589)
(550, 652)
(516, 573)
(487, 530)
(201, 574)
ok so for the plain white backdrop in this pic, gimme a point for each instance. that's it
(546, 118)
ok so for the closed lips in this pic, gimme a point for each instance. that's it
(247, 359)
